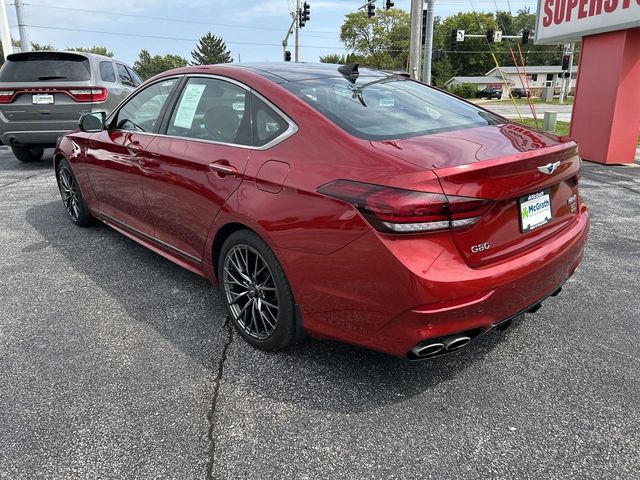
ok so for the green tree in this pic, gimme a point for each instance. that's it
(341, 59)
(381, 41)
(41, 46)
(210, 50)
(95, 49)
(148, 65)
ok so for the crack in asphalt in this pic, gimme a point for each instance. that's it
(23, 179)
(216, 390)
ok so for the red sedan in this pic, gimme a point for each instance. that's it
(345, 204)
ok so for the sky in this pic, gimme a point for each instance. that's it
(252, 29)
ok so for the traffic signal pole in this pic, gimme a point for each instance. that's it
(296, 21)
(415, 46)
(428, 43)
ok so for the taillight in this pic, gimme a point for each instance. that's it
(6, 96)
(92, 94)
(407, 211)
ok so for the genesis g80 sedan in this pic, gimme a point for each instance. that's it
(335, 202)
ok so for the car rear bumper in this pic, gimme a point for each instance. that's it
(40, 133)
(414, 290)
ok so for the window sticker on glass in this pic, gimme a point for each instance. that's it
(238, 106)
(387, 102)
(188, 105)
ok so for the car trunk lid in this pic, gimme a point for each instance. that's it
(503, 164)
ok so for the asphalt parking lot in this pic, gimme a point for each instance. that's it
(115, 363)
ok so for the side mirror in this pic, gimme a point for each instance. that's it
(92, 122)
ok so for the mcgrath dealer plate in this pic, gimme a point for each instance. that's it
(535, 210)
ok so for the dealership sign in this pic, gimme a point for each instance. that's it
(562, 21)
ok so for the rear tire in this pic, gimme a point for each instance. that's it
(28, 154)
(71, 195)
(256, 292)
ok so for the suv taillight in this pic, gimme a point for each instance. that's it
(390, 209)
(91, 94)
(6, 96)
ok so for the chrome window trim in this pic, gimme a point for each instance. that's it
(290, 131)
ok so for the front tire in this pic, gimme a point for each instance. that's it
(28, 154)
(71, 195)
(256, 292)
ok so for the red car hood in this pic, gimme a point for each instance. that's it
(471, 145)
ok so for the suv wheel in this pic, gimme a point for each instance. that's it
(28, 154)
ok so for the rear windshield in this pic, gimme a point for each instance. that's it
(43, 67)
(387, 108)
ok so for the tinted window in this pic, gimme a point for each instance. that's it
(134, 76)
(379, 108)
(39, 67)
(211, 109)
(107, 72)
(267, 124)
(125, 79)
(141, 112)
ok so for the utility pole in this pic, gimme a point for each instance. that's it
(5, 34)
(297, 27)
(571, 47)
(428, 42)
(25, 45)
(414, 39)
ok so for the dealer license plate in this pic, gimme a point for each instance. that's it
(535, 210)
(42, 99)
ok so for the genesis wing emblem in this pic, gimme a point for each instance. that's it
(549, 168)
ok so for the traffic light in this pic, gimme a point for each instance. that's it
(304, 14)
(371, 9)
(525, 36)
(454, 39)
(437, 54)
(389, 4)
(490, 35)
(565, 62)
(424, 26)
(287, 56)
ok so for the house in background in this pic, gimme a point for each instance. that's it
(537, 77)
(481, 82)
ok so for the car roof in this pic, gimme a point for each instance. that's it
(282, 72)
(35, 53)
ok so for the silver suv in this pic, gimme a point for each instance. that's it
(44, 93)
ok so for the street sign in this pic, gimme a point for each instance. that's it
(497, 37)
(460, 36)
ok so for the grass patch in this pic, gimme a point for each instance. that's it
(562, 128)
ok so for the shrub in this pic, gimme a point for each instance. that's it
(465, 90)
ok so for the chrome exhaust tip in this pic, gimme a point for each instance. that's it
(456, 343)
(428, 350)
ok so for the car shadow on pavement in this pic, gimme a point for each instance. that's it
(10, 163)
(336, 377)
(189, 313)
(177, 304)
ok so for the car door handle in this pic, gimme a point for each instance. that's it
(223, 168)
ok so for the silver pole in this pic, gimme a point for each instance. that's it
(428, 42)
(414, 38)
(297, 21)
(568, 90)
(5, 34)
(25, 45)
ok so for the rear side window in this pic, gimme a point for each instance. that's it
(45, 66)
(125, 79)
(134, 76)
(267, 124)
(107, 72)
(379, 108)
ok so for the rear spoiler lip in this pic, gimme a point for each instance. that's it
(23, 56)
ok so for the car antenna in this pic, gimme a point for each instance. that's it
(350, 72)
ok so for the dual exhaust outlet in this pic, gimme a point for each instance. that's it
(442, 346)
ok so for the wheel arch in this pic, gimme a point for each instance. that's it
(220, 237)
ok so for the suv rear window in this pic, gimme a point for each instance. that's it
(387, 108)
(45, 66)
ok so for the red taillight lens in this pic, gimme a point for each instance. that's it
(398, 210)
(91, 94)
(6, 96)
